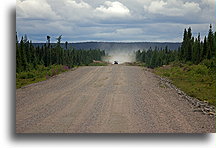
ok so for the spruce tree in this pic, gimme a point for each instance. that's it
(198, 56)
(205, 46)
(58, 49)
(18, 56)
(66, 45)
(33, 55)
(189, 45)
(210, 47)
(214, 47)
(23, 55)
(184, 46)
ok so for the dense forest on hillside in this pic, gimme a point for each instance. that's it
(29, 57)
(192, 50)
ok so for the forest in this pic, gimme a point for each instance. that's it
(28, 57)
(191, 68)
(34, 64)
(192, 50)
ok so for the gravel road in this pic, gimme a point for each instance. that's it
(109, 99)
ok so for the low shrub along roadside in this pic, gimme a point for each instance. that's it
(196, 80)
(41, 73)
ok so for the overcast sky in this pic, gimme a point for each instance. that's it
(120, 20)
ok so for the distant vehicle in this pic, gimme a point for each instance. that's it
(115, 62)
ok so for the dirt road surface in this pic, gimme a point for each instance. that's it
(109, 99)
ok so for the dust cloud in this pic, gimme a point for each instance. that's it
(121, 56)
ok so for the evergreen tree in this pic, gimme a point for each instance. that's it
(198, 53)
(214, 46)
(192, 50)
(205, 48)
(18, 56)
(23, 55)
(184, 46)
(33, 55)
(189, 45)
(66, 45)
(138, 53)
(210, 47)
(46, 56)
(48, 41)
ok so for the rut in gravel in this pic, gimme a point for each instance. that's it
(106, 99)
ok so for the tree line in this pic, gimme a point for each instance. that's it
(192, 50)
(28, 56)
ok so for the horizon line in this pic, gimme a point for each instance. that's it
(113, 42)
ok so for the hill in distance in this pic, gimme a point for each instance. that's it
(110, 46)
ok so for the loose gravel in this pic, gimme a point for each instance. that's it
(110, 99)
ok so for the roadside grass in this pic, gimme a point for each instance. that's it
(196, 80)
(41, 73)
(98, 64)
(134, 64)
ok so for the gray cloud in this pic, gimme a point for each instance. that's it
(120, 20)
